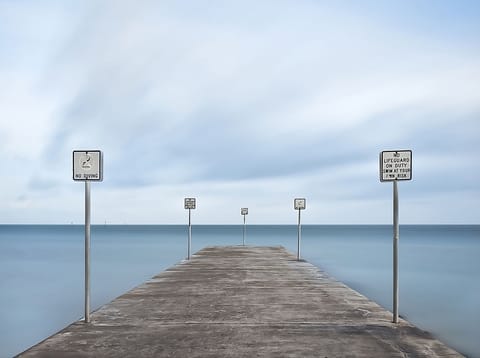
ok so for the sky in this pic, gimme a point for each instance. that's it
(239, 104)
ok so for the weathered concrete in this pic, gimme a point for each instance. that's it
(241, 302)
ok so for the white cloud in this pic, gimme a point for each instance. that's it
(235, 102)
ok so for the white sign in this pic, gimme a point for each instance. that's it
(244, 211)
(87, 165)
(190, 203)
(396, 165)
(300, 203)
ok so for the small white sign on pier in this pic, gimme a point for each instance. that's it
(244, 211)
(190, 203)
(87, 165)
(300, 204)
(396, 165)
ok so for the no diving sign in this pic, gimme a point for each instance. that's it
(87, 165)
(396, 165)
(300, 204)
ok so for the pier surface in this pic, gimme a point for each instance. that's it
(240, 301)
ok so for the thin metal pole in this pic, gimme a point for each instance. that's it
(189, 232)
(299, 236)
(395, 251)
(244, 229)
(87, 251)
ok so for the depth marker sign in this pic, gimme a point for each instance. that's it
(299, 204)
(87, 165)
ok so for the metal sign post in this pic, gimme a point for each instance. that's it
(299, 204)
(190, 203)
(396, 237)
(87, 251)
(244, 212)
(395, 166)
(87, 167)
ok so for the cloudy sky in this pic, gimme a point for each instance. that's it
(240, 104)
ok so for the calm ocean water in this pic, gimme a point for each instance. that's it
(41, 270)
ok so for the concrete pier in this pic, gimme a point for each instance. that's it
(241, 302)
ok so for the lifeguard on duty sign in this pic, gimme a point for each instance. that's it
(190, 203)
(87, 165)
(396, 165)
